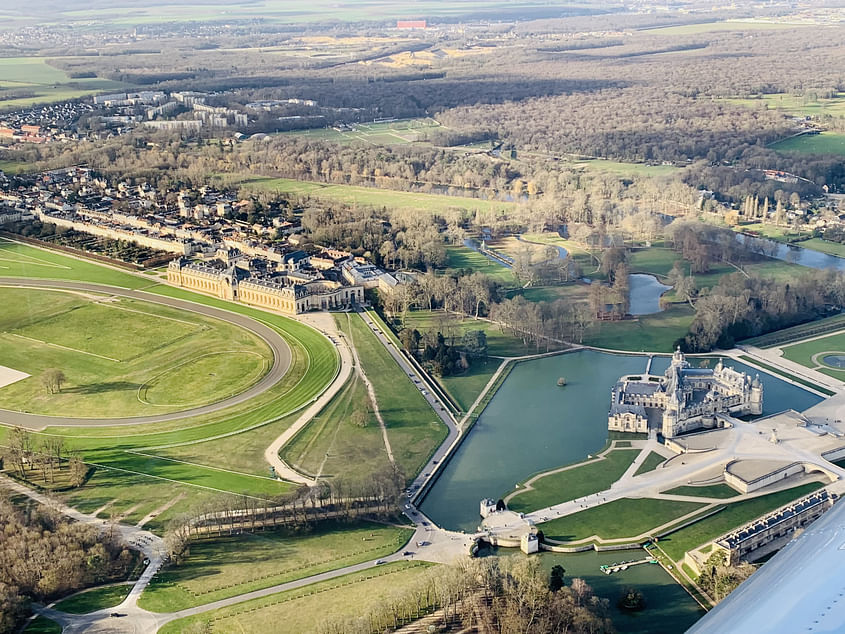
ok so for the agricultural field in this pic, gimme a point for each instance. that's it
(376, 197)
(824, 143)
(413, 429)
(304, 609)
(618, 519)
(727, 25)
(627, 170)
(120, 357)
(572, 483)
(221, 568)
(25, 81)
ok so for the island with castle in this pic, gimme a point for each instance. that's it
(683, 399)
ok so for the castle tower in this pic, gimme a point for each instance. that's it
(756, 403)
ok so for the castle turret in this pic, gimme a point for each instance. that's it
(756, 401)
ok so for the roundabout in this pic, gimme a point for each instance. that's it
(164, 329)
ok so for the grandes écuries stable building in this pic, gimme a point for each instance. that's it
(683, 399)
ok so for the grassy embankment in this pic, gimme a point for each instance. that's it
(227, 567)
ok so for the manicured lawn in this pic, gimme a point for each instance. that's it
(21, 260)
(573, 483)
(652, 461)
(824, 143)
(399, 132)
(500, 344)
(304, 609)
(618, 519)
(734, 516)
(221, 568)
(464, 258)
(824, 246)
(334, 445)
(414, 430)
(376, 197)
(43, 625)
(721, 491)
(792, 377)
(121, 357)
(649, 333)
(803, 352)
(96, 599)
(464, 388)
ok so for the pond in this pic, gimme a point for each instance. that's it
(644, 293)
(669, 609)
(533, 425)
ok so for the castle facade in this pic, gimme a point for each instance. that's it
(683, 399)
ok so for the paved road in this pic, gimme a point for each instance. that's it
(281, 356)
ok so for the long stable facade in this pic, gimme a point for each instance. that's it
(275, 293)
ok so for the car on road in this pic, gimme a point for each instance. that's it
(380, 562)
(421, 544)
(407, 553)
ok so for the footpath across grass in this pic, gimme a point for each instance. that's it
(226, 567)
(413, 428)
(618, 519)
(96, 599)
(578, 481)
(733, 516)
(304, 609)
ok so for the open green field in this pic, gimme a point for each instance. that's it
(824, 246)
(399, 132)
(773, 232)
(37, 82)
(304, 609)
(578, 481)
(131, 483)
(464, 388)
(824, 143)
(500, 344)
(333, 444)
(14, 167)
(651, 462)
(721, 491)
(735, 515)
(121, 357)
(796, 105)
(654, 333)
(630, 170)
(96, 599)
(464, 258)
(413, 429)
(226, 567)
(803, 353)
(797, 379)
(618, 519)
(376, 197)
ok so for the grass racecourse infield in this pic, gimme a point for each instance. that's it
(130, 480)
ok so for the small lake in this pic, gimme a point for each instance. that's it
(644, 292)
(533, 425)
(792, 254)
